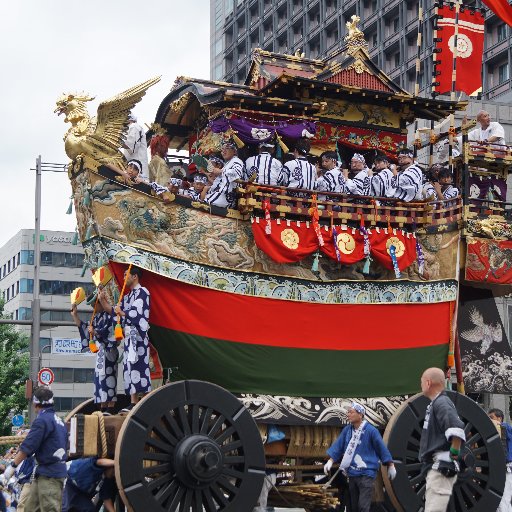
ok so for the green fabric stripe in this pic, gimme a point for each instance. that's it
(245, 368)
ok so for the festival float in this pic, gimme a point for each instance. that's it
(276, 314)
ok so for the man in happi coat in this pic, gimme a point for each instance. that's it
(334, 179)
(381, 181)
(105, 370)
(358, 449)
(299, 173)
(198, 184)
(361, 175)
(222, 191)
(408, 183)
(440, 443)
(263, 167)
(134, 315)
(135, 146)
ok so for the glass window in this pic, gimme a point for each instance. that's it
(503, 73)
(7, 294)
(79, 260)
(45, 344)
(501, 32)
(27, 257)
(26, 285)
(25, 313)
(90, 374)
(63, 403)
(67, 375)
(58, 259)
(57, 372)
(80, 375)
(8, 266)
(17, 287)
(46, 258)
(70, 260)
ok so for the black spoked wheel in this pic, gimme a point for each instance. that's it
(480, 484)
(190, 446)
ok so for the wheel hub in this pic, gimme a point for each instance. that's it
(198, 460)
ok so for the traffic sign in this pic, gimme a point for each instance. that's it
(18, 420)
(45, 377)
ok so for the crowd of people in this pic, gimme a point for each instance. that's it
(216, 185)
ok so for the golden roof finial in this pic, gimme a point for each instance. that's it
(355, 37)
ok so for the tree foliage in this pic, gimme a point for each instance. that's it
(14, 370)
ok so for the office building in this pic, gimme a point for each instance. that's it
(60, 273)
(317, 27)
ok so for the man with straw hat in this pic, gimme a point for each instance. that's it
(100, 329)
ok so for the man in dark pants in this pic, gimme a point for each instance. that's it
(358, 449)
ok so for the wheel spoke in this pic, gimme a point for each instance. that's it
(216, 426)
(173, 506)
(474, 438)
(165, 436)
(226, 433)
(159, 482)
(164, 493)
(415, 466)
(467, 496)
(173, 424)
(195, 419)
(231, 459)
(205, 420)
(227, 485)
(159, 457)
(197, 505)
(233, 473)
(159, 445)
(160, 468)
(185, 425)
(186, 503)
(226, 448)
(208, 502)
(220, 497)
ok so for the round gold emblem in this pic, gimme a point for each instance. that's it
(399, 246)
(290, 239)
(346, 243)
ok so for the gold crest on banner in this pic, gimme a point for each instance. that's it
(290, 238)
(346, 243)
(399, 246)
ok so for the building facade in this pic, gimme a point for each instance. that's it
(60, 273)
(317, 27)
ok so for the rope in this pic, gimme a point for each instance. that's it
(103, 435)
(12, 439)
(284, 467)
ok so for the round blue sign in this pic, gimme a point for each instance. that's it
(18, 420)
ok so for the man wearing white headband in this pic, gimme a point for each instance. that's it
(222, 191)
(47, 439)
(135, 147)
(358, 449)
(198, 184)
(264, 167)
(362, 175)
(408, 183)
(299, 173)
(334, 179)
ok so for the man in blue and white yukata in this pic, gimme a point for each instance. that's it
(334, 179)
(222, 191)
(105, 370)
(358, 449)
(263, 168)
(299, 173)
(408, 183)
(361, 175)
(134, 315)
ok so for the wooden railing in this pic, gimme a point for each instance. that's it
(347, 209)
(483, 208)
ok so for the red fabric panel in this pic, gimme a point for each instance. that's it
(350, 245)
(280, 323)
(489, 261)
(501, 8)
(470, 43)
(405, 247)
(287, 242)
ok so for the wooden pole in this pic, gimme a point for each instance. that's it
(451, 131)
(118, 330)
(417, 140)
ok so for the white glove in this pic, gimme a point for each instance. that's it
(328, 466)
(391, 472)
(9, 471)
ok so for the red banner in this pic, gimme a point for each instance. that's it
(470, 46)
(350, 245)
(405, 247)
(489, 261)
(287, 242)
(501, 8)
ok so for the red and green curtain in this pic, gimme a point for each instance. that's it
(281, 347)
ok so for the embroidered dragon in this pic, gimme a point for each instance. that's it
(99, 137)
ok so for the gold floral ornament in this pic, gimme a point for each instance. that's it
(346, 243)
(399, 246)
(290, 239)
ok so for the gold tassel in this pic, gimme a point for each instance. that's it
(282, 145)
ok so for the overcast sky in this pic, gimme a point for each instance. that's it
(101, 47)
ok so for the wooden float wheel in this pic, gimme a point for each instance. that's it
(480, 484)
(190, 446)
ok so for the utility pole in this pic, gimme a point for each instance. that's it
(36, 306)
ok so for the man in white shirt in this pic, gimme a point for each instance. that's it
(362, 175)
(408, 183)
(334, 179)
(299, 173)
(264, 166)
(135, 147)
(489, 132)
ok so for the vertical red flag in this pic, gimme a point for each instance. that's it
(470, 47)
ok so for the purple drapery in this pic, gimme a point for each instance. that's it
(252, 131)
